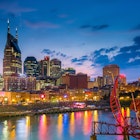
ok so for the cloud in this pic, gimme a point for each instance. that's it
(137, 40)
(12, 7)
(81, 60)
(133, 59)
(94, 27)
(126, 57)
(99, 27)
(82, 64)
(41, 24)
(105, 55)
(54, 54)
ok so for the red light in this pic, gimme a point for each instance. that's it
(122, 76)
(42, 96)
(47, 58)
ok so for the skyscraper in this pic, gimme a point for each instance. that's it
(12, 64)
(31, 67)
(110, 72)
(55, 68)
(44, 66)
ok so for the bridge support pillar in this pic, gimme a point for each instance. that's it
(93, 137)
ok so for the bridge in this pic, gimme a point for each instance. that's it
(126, 126)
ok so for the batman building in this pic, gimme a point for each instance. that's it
(12, 64)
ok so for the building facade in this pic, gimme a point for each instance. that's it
(55, 68)
(12, 63)
(1, 83)
(75, 81)
(31, 67)
(44, 67)
(18, 83)
(110, 72)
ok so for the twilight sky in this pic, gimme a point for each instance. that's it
(83, 34)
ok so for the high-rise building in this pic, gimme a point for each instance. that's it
(44, 67)
(55, 68)
(31, 67)
(12, 63)
(110, 72)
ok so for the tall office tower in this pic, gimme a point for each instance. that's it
(31, 67)
(12, 64)
(110, 72)
(44, 67)
(55, 68)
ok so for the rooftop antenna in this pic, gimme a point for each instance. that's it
(8, 22)
(16, 33)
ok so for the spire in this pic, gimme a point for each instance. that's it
(8, 22)
(16, 33)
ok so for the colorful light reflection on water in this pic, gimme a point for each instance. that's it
(67, 126)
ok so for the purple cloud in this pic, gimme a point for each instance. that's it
(12, 7)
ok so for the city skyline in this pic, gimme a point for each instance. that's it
(85, 35)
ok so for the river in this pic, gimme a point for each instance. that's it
(67, 126)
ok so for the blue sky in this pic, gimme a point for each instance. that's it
(83, 34)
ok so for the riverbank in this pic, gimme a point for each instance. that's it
(45, 108)
(48, 111)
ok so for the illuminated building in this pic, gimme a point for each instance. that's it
(99, 81)
(18, 83)
(55, 68)
(75, 81)
(31, 67)
(110, 72)
(1, 83)
(12, 63)
(12, 97)
(44, 67)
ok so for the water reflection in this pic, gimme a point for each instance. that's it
(87, 122)
(60, 125)
(70, 126)
(27, 126)
(95, 116)
(42, 127)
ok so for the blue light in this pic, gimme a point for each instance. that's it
(65, 96)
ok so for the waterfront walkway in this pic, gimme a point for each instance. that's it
(44, 108)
